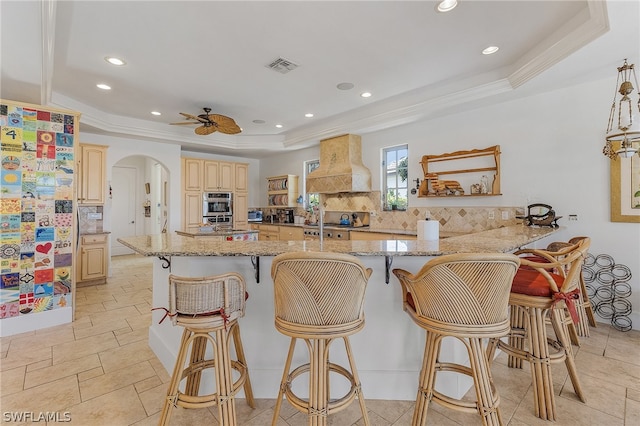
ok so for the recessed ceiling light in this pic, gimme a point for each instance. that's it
(365, 94)
(259, 121)
(156, 113)
(490, 50)
(279, 126)
(114, 61)
(308, 115)
(103, 86)
(447, 5)
(345, 86)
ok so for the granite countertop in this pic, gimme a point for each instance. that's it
(220, 233)
(94, 233)
(501, 240)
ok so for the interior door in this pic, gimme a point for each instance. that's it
(123, 210)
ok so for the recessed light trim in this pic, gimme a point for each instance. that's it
(103, 86)
(447, 5)
(308, 115)
(490, 50)
(279, 126)
(156, 113)
(258, 121)
(115, 61)
(345, 86)
(365, 94)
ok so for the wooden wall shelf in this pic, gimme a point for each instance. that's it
(434, 186)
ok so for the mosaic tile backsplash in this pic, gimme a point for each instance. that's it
(452, 219)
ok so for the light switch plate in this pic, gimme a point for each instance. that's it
(94, 216)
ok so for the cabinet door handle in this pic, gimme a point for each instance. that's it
(133, 221)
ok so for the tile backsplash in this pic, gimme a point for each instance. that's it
(452, 219)
(90, 219)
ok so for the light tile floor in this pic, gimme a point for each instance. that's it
(101, 371)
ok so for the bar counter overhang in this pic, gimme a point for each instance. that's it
(388, 351)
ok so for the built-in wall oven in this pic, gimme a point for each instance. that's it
(217, 208)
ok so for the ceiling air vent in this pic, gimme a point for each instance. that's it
(282, 65)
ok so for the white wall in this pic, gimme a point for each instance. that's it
(551, 147)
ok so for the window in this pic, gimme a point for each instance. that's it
(310, 199)
(395, 177)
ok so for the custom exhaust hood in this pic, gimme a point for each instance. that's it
(341, 168)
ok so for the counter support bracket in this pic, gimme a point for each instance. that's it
(167, 262)
(255, 261)
(388, 260)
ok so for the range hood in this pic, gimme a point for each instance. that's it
(341, 168)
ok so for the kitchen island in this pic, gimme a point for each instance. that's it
(390, 348)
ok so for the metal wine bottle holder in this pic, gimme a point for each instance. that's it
(609, 289)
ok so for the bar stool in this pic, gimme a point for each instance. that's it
(464, 296)
(208, 308)
(544, 290)
(319, 298)
(585, 309)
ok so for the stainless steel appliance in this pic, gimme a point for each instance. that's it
(254, 216)
(221, 220)
(288, 218)
(331, 231)
(217, 204)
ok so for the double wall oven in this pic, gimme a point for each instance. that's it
(217, 208)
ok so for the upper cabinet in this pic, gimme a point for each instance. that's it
(468, 173)
(92, 174)
(218, 176)
(192, 174)
(241, 177)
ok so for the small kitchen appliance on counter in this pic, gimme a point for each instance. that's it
(546, 216)
(255, 216)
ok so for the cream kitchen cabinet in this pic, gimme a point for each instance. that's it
(93, 260)
(217, 176)
(282, 191)
(376, 236)
(92, 174)
(191, 211)
(241, 181)
(192, 174)
(240, 210)
(291, 233)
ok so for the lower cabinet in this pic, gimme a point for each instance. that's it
(291, 233)
(269, 233)
(93, 263)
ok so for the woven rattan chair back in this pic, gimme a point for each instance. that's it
(465, 290)
(319, 289)
(204, 297)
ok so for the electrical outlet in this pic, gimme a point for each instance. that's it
(505, 215)
(492, 215)
(372, 213)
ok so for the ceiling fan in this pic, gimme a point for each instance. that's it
(211, 123)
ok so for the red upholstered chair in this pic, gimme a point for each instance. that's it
(464, 296)
(541, 291)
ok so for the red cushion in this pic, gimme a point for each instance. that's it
(533, 283)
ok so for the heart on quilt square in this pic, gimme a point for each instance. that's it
(44, 248)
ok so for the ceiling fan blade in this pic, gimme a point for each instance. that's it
(225, 124)
(185, 122)
(205, 130)
(193, 117)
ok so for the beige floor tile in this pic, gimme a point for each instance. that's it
(632, 412)
(140, 321)
(634, 393)
(569, 413)
(124, 356)
(52, 396)
(391, 411)
(603, 396)
(39, 364)
(89, 374)
(120, 407)
(146, 384)
(610, 370)
(100, 327)
(118, 379)
(160, 370)
(12, 381)
(124, 338)
(153, 398)
(58, 371)
(120, 313)
(82, 347)
(19, 358)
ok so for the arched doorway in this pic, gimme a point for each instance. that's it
(139, 199)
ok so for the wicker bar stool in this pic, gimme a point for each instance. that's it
(544, 291)
(319, 298)
(464, 296)
(208, 308)
(585, 309)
